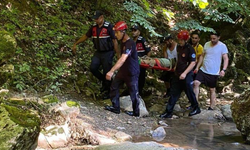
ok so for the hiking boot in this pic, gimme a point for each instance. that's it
(112, 109)
(131, 113)
(166, 115)
(195, 111)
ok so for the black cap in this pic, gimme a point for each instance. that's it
(135, 27)
(97, 14)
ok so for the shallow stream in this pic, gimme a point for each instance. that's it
(193, 134)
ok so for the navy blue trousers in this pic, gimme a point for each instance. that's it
(104, 60)
(177, 86)
(132, 84)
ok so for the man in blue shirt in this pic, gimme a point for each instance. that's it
(129, 70)
(183, 79)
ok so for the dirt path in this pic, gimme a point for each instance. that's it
(108, 123)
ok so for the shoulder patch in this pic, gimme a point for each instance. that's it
(140, 38)
(106, 24)
(193, 55)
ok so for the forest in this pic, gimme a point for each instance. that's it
(36, 50)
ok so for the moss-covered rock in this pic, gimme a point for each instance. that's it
(50, 99)
(19, 128)
(72, 103)
(7, 46)
(241, 114)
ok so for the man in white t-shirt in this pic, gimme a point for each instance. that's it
(169, 52)
(214, 52)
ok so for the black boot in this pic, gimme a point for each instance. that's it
(112, 109)
(195, 111)
(131, 113)
(166, 115)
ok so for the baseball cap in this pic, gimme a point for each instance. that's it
(135, 27)
(97, 14)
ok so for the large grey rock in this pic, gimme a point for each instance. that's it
(126, 104)
(209, 115)
(227, 113)
(158, 134)
(241, 114)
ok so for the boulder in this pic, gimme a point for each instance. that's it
(126, 104)
(241, 114)
(209, 115)
(226, 111)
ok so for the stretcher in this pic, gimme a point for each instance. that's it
(157, 66)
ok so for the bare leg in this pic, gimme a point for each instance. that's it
(212, 97)
(196, 88)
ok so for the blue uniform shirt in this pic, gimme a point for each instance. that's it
(131, 65)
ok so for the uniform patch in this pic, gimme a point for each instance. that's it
(127, 51)
(193, 55)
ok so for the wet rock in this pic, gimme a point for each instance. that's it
(209, 115)
(162, 123)
(241, 114)
(158, 134)
(126, 103)
(227, 113)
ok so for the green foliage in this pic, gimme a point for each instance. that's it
(7, 46)
(201, 3)
(44, 38)
(141, 16)
(192, 24)
(212, 14)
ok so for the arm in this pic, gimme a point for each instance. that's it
(164, 50)
(82, 39)
(189, 68)
(199, 62)
(118, 55)
(225, 64)
(118, 64)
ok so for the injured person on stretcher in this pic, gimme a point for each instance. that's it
(157, 63)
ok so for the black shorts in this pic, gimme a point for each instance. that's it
(207, 79)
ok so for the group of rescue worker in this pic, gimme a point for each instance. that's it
(191, 59)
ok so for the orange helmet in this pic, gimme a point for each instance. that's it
(183, 35)
(121, 25)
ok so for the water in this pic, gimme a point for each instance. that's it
(193, 134)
